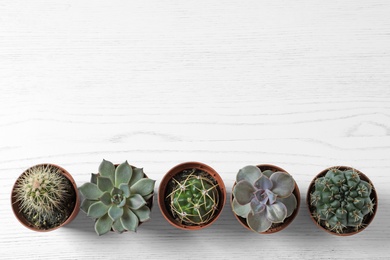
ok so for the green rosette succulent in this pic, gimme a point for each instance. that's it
(117, 197)
(263, 198)
(194, 199)
(341, 200)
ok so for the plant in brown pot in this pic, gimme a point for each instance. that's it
(119, 197)
(45, 197)
(191, 196)
(265, 198)
(342, 200)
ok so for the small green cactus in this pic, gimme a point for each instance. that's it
(194, 198)
(117, 197)
(43, 195)
(341, 200)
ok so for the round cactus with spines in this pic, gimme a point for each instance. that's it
(194, 198)
(341, 200)
(43, 193)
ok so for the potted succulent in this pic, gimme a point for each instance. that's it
(45, 197)
(191, 196)
(119, 197)
(265, 198)
(342, 200)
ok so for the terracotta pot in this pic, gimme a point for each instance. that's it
(275, 227)
(74, 211)
(368, 218)
(163, 188)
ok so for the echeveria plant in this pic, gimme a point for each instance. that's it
(263, 198)
(341, 200)
(117, 197)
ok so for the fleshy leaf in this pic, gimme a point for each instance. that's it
(256, 206)
(104, 183)
(241, 210)
(243, 192)
(86, 204)
(123, 174)
(143, 187)
(283, 184)
(263, 183)
(143, 213)
(118, 227)
(258, 222)
(106, 198)
(136, 201)
(103, 225)
(290, 202)
(276, 212)
(271, 196)
(90, 191)
(138, 173)
(249, 173)
(115, 212)
(129, 220)
(107, 169)
(125, 188)
(267, 173)
(97, 209)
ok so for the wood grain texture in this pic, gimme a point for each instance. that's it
(300, 84)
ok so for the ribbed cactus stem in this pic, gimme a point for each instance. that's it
(194, 198)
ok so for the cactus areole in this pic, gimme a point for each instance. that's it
(191, 196)
(342, 200)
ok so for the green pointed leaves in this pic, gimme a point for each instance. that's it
(243, 192)
(90, 191)
(115, 212)
(123, 174)
(129, 220)
(136, 201)
(104, 183)
(283, 184)
(116, 197)
(143, 213)
(103, 225)
(97, 209)
(107, 169)
(143, 187)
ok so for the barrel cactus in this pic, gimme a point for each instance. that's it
(194, 198)
(117, 197)
(341, 200)
(44, 196)
(263, 198)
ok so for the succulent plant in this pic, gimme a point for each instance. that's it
(341, 200)
(43, 195)
(194, 198)
(263, 198)
(117, 197)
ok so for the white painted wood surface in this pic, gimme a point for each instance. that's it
(300, 84)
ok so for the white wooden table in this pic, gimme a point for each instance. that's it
(300, 84)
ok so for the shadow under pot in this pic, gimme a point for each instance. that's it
(265, 198)
(45, 197)
(191, 196)
(342, 201)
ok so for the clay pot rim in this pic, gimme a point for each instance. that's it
(288, 220)
(363, 177)
(71, 217)
(173, 172)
